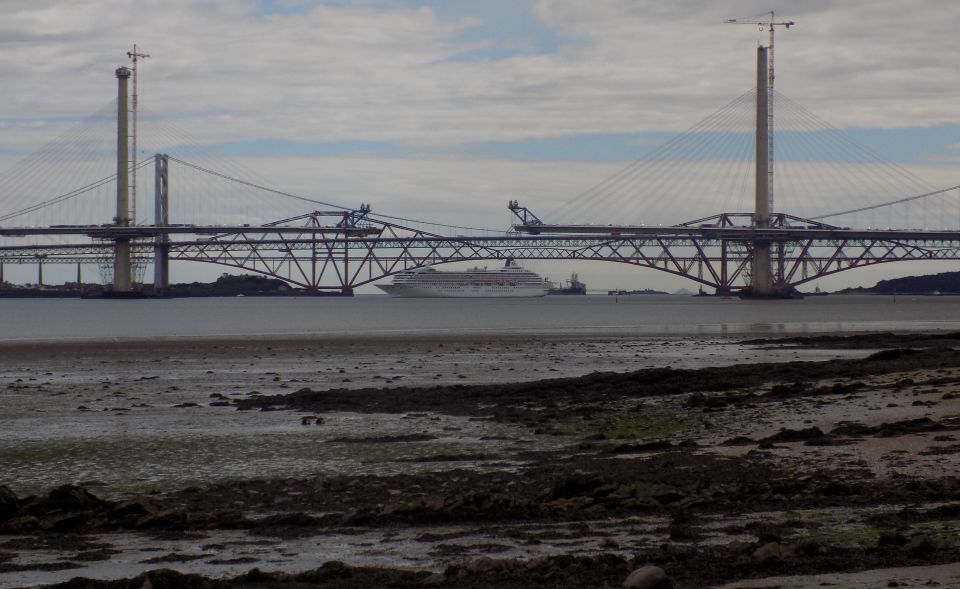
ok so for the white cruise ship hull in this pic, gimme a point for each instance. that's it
(465, 292)
(510, 281)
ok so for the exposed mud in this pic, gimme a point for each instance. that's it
(714, 475)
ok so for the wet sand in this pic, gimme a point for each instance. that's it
(452, 462)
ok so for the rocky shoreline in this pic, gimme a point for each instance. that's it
(713, 476)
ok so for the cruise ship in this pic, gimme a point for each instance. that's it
(509, 281)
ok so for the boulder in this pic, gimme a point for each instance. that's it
(485, 564)
(171, 519)
(892, 538)
(770, 551)
(922, 545)
(21, 523)
(9, 504)
(138, 506)
(64, 522)
(73, 498)
(648, 577)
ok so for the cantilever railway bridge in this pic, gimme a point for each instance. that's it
(316, 251)
(763, 251)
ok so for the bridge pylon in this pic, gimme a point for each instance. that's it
(161, 218)
(761, 275)
(122, 262)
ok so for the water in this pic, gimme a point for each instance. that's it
(57, 319)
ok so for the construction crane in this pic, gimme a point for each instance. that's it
(770, 24)
(135, 56)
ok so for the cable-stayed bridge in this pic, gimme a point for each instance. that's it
(869, 212)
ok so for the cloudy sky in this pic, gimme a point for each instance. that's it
(445, 109)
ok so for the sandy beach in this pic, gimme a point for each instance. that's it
(479, 461)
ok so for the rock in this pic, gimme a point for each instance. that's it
(922, 545)
(888, 538)
(9, 504)
(648, 577)
(65, 522)
(809, 548)
(793, 435)
(770, 551)
(73, 498)
(138, 507)
(539, 562)
(739, 441)
(485, 564)
(578, 483)
(167, 520)
(22, 523)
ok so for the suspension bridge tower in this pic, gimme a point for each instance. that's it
(761, 278)
(762, 283)
(122, 262)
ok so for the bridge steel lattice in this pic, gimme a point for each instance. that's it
(315, 253)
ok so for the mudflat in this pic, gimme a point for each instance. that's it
(486, 461)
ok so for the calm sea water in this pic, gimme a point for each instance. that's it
(45, 319)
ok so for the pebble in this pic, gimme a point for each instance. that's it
(646, 577)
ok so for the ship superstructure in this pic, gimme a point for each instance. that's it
(509, 280)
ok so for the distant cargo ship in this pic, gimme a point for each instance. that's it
(646, 291)
(573, 287)
(509, 281)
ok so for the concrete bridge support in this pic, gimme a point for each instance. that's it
(122, 263)
(761, 277)
(161, 217)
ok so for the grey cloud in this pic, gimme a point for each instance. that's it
(379, 71)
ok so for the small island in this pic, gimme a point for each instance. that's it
(225, 286)
(944, 283)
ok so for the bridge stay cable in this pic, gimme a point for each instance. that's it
(657, 170)
(887, 204)
(60, 163)
(67, 196)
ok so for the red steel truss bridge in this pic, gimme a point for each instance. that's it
(342, 250)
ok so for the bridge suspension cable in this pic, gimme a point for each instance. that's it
(320, 202)
(255, 185)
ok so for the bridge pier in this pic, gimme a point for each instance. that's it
(122, 267)
(761, 275)
(161, 216)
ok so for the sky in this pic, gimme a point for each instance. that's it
(446, 109)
